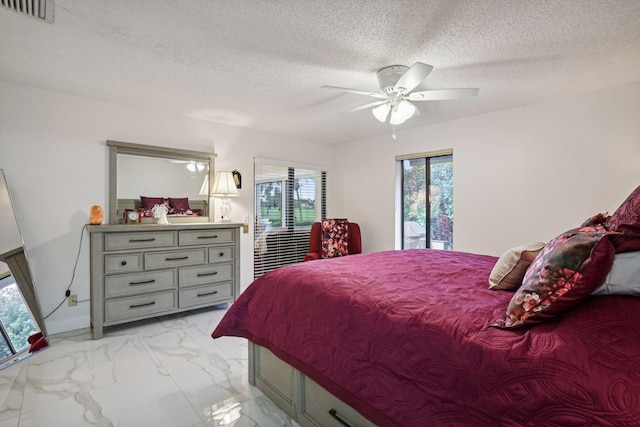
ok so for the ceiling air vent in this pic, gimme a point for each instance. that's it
(39, 9)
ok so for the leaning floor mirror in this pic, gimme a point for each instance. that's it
(22, 327)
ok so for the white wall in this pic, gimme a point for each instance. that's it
(53, 152)
(520, 175)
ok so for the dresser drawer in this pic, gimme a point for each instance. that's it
(207, 274)
(205, 295)
(142, 240)
(124, 263)
(139, 306)
(154, 260)
(205, 237)
(137, 283)
(318, 405)
(221, 253)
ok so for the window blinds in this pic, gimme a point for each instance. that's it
(288, 200)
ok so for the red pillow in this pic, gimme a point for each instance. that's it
(179, 204)
(149, 202)
(565, 272)
(625, 221)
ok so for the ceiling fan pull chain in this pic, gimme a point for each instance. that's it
(393, 132)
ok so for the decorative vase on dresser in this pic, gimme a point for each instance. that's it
(147, 270)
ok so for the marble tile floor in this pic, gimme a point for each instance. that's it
(160, 372)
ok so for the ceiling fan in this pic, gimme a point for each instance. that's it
(395, 96)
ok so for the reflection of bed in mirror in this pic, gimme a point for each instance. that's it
(197, 208)
(14, 266)
(137, 171)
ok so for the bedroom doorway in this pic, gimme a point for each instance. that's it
(427, 200)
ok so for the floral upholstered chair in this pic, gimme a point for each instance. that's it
(333, 238)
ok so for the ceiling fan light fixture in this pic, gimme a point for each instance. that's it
(402, 112)
(381, 112)
(397, 84)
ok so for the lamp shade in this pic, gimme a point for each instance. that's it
(401, 112)
(224, 185)
(205, 190)
(381, 112)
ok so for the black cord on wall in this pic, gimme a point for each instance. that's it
(67, 292)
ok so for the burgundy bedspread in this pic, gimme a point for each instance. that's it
(403, 337)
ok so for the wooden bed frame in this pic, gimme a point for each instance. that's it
(302, 399)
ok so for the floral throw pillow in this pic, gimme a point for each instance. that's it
(625, 222)
(564, 273)
(601, 218)
(335, 238)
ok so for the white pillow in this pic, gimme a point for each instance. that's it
(509, 271)
(624, 277)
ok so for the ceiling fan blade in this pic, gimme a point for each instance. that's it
(412, 77)
(364, 107)
(442, 94)
(356, 91)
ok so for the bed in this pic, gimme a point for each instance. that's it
(416, 337)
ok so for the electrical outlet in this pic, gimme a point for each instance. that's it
(73, 300)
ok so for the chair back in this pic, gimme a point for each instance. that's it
(315, 240)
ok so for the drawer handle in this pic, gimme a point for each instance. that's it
(207, 293)
(144, 282)
(179, 258)
(207, 274)
(142, 305)
(221, 254)
(208, 237)
(334, 414)
(142, 240)
(123, 263)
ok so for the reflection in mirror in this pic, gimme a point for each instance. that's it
(20, 314)
(178, 178)
(155, 177)
(16, 324)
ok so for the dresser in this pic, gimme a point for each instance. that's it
(139, 271)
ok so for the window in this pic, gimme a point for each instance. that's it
(16, 324)
(288, 200)
(426, 199)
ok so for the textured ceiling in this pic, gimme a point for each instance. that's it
(260, 64)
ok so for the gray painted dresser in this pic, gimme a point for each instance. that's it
(140, 271)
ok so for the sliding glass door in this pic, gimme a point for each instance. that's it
(427, 201)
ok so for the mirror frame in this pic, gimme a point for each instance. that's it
(18, 263)
(119, 147)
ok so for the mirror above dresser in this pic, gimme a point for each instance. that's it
(140, 176)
